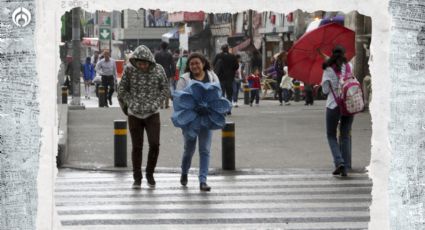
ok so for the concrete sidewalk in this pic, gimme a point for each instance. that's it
(268, 136)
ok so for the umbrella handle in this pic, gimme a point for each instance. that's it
(324, 56)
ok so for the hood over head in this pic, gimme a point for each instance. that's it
(142, 53)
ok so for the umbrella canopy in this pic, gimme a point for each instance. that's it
(199, 105)
(304, 60)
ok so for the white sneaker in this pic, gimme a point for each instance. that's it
(236, 104)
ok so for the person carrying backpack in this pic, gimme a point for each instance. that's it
(336, 68)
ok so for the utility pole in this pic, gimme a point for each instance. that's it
(76, 49)
(110, 29)
(356, 22)
(250, 25)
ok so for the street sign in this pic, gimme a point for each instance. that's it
(104, 33)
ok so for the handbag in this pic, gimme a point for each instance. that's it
(97, 79)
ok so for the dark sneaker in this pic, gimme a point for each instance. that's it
(344, 172)
(183, 179)
(151, 180)
(338, 170)
(137, 184)
(204, 187)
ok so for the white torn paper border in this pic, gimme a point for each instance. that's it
(19, 112)
(48, 37)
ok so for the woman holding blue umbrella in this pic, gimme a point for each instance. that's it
(197, 93)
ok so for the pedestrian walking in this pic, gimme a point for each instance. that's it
(69, 75)
(88, 75)
(308, 97)
(286, 86)
(94, 58)
(176, 74)
(197, 69)
(225, 66)
(256, 61)
(181, 63)
(269, 79)
(237, 82)
(143, 87)
(165, 59)
(108, 70)
(254, 81)
(278, 66)
(334, 67)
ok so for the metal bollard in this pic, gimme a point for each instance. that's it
(120, 143)
(228, 146)
(246, 94)
(64, 95)
(102, 96)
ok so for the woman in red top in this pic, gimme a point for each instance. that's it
(255, 85)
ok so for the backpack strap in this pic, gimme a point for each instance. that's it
(347, 68)
(333, 93)
(330, 84)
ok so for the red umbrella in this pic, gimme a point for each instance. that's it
(305, 62)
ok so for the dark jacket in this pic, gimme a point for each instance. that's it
(165, 59)
(225, 66)
(278, 67)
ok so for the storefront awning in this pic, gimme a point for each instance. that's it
(90, 42)
(172, 34)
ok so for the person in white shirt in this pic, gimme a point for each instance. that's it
(108, 70)
(341, 150)
(286, 85)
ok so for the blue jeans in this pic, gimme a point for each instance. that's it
(341, 151)
(204, 137)
(236, 88)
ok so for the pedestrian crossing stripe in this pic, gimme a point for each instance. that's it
(312, 200)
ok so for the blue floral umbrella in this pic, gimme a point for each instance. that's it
(199, 105)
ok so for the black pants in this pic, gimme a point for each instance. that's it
(97, 89)
(227, 88)
(255, 94)
(137, 127)
(279, 90)
(309, 97)
(108, 83)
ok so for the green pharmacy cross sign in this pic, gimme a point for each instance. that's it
(105, 33)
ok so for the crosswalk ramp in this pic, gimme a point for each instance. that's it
(266, 200)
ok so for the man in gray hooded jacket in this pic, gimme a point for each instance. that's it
(144, 85)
